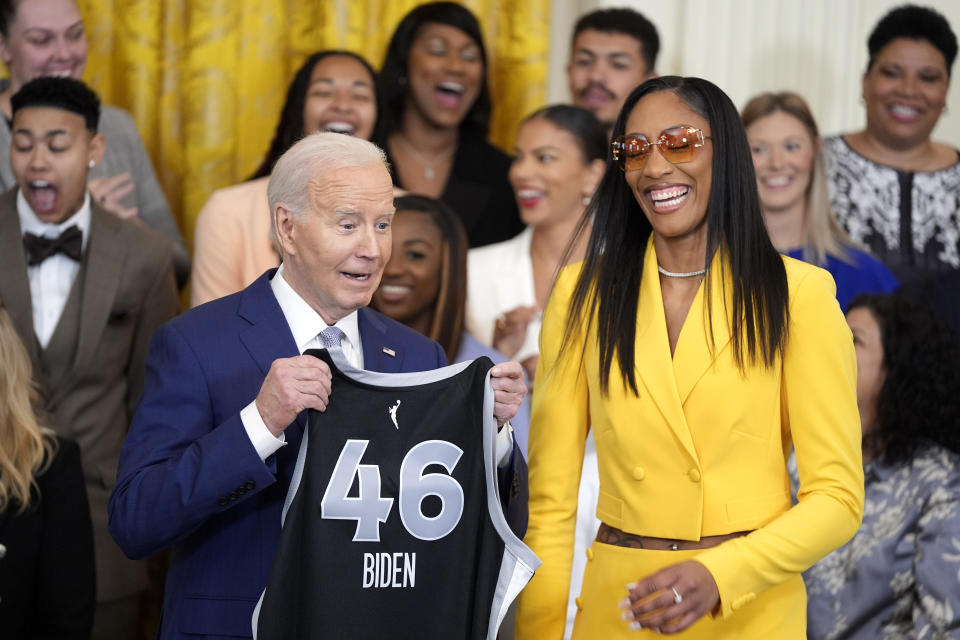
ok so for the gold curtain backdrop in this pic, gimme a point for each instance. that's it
(205, 79)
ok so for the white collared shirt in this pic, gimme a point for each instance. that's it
(306, 326)
(52, 279)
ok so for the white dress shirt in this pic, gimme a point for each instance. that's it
(306, 326)
(52, 279)
(500, 279)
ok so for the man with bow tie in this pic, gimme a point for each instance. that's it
(214, 443)
(86, 291)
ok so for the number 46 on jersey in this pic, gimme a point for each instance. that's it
(369, 508)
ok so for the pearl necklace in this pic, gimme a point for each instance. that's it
(681, 274)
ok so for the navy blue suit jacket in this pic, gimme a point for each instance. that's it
(189, 477)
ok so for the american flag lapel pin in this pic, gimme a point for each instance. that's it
(390, 352)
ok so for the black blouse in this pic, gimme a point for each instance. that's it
(479, 192)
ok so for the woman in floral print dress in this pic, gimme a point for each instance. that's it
(899, 577)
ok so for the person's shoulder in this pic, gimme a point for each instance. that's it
(568, 276)
(398, 331)
(145, 245)
(935, 465)
(219, 311)
(235, 200)
(471, 349)
(242, 190)
(867, 263)
(65, 464)
(805, 279)
(494, 252)
(834, 140)
(836, 148)
(114, 120)
(930, 453)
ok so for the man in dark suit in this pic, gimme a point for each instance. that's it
(86, 290)
(208, 460)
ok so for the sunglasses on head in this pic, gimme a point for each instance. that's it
(677, 145)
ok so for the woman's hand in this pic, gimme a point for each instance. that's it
(511, 329)
(671, 599)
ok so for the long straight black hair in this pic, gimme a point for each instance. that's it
(608, 287)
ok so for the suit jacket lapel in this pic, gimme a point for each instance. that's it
(105, 258)
(694, 354)
(652, 352)
(15, 283)
(7, 179)
(379, 353)
(268, 336)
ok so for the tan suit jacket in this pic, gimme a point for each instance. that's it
(92, 370)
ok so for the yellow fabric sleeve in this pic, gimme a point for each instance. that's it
(558, 430)
(820, 409)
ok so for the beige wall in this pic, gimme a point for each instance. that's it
(814, 47)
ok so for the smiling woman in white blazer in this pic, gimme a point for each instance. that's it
(558, 160)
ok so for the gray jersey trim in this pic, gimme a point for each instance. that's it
(519, 562)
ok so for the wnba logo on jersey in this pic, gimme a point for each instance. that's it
(393, 414)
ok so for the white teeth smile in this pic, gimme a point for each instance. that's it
(777, 181)
(904, 111)
(394, 289)
(668, 197)
(340, 127)
(528, 194)
(454, 87)
(660, 196)
(60, 74)
(39, 184)
(357, 276)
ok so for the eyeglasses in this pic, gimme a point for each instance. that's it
(677, 145)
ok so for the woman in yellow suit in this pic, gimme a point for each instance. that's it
(699, 355)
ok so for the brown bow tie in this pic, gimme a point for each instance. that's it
(39, 248)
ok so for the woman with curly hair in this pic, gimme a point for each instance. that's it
(898, 576)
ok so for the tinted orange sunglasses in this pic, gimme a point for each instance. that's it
(677, 145)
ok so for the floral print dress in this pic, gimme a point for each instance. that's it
(899, 577)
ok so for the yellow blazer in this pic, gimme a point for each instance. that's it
(702, 451)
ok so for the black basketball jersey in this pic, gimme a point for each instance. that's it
(392, 526)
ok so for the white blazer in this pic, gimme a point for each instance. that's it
(500, 278)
